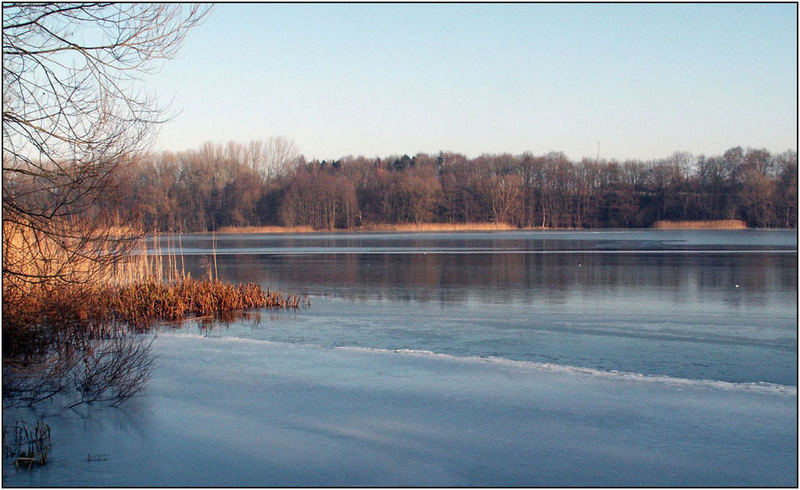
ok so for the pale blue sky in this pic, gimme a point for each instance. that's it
(381, 79)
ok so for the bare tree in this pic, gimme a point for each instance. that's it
(274, 157)
(73, 113)
(83, 366)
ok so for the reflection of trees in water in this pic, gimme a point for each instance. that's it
(517, 277)
(754, 273)
(60, 368)
(226, 319)
(75, 366)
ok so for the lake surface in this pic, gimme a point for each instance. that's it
(717, 305)
(613, 358)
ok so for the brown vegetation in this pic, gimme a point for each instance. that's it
(398, 227)
(422, 227)
(218, 188)
(78, 340)
(70, 322)
(137, 291)
(727, 224)
(32, 257)
(266, 229)
(141, 304)
(73, 119)
(29, 446)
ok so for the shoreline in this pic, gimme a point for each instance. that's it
(396, 227)
(458, 227)
(472, 227)
(723, 224)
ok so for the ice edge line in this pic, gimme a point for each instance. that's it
(757, 387)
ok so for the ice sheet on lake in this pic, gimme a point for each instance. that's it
(224, 411)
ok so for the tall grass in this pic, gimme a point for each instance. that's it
(266, 229)
(141, 304)
(33, 256)
(29, 446)
(725, 224)
(399, 227)
(71, 331)
(137, 289)
(422, 227)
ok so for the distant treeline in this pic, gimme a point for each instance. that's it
(266, 183)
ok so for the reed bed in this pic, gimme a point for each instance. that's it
(30, 320)
(29, 446)
(398, 227)
(141, 304)
(725, 224)
(136, 289)
(266, 229)
(66, 255)
(406, 227)
(78, 342)
(72, 312)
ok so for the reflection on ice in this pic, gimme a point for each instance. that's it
(241, 412)
(611, 358)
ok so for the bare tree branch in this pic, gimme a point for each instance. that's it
(73, 115)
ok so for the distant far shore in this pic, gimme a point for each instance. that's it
(398, 227)
(723, 224)
(434, 227)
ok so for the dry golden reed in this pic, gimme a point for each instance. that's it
(31, 322)
(266, 229)
(141, 304)
(726, 224)
(137, 289)
(406, 227)
(398, 227)
(36, 257)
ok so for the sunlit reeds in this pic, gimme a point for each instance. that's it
(421, 227)
(37, 256)
(138, 289)
(141, 304)
(266, 229)
(70, 320)
(399, 227)
(725, 224)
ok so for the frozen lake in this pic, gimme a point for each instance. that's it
(458, 359)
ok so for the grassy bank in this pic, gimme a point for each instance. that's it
(727, 224)
(380, 227)
(421, 227)
(444, 227)
(266, 229)
(72, 312)
(54, 288)
(139, 305)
